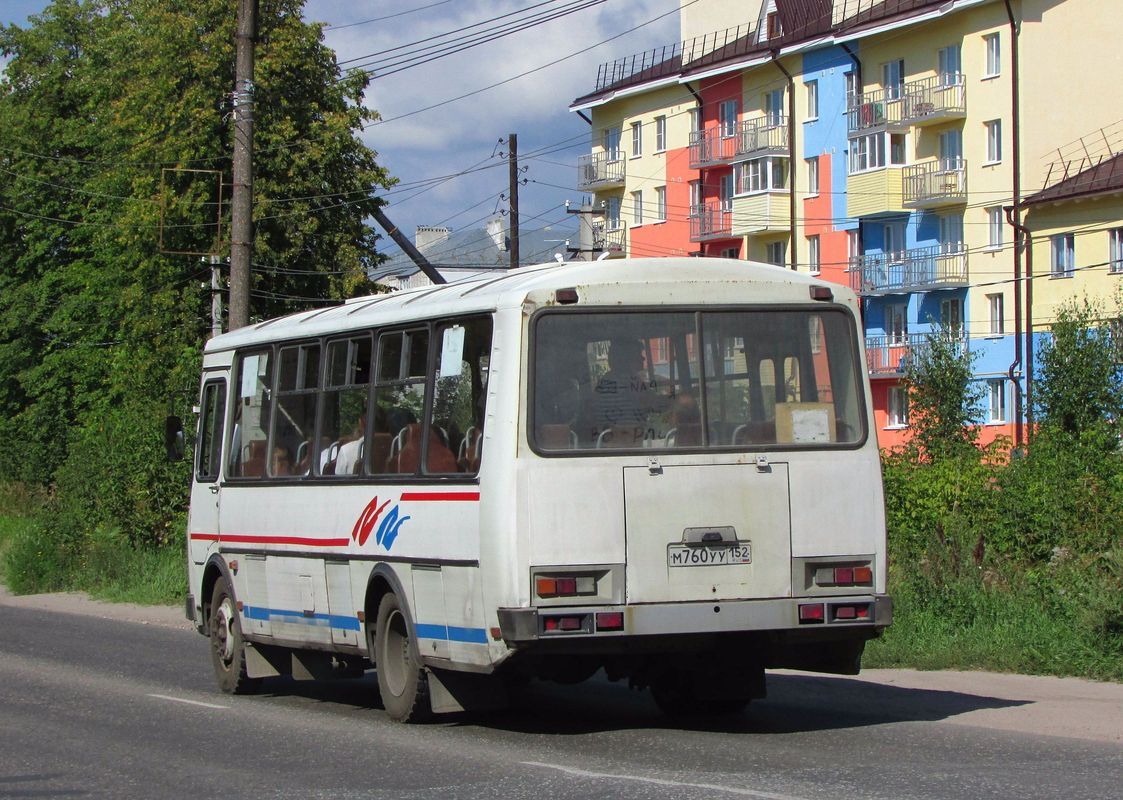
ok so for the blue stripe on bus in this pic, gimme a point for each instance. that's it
(442, 632)
(452, 634)
(283, 615)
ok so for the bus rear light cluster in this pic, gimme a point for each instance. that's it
(844, 576)
(856, 612)
(812, 613)
(566, 623)
(565, 586)
(610, 621)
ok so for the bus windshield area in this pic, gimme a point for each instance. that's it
(700, 380)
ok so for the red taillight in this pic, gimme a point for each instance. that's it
(567, 623)
(844, 576)
(854, 612)
(570, 623)
(610, 621)
(845, 612)
(863, 575)
(811, 612)
(567, 586)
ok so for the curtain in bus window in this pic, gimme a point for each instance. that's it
(341, 448)
(456, 428)
(399, 401)
(294, 416)
(249, 433)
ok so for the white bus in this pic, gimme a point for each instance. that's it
(661, 468)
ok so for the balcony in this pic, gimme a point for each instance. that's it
(608, 240)
(710, 221)
(875, 192)
(927, 101)
(763, 212)
(889, 356)
(934, 184)
(751, 138)
(917, 270)
(599, 171)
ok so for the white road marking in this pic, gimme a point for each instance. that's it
(712, 787)
(189, 702)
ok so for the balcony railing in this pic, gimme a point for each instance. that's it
(920, 102)
(920, 269)
(750, 137)
(891, 355)
(609, 240)
(936, 183)
(710, 221)
(599, 169)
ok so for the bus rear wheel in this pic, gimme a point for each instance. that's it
(402, 681)
(228, 649)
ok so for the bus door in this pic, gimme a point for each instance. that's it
(203, 530)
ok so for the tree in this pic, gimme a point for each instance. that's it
(943, 399)
(111, 110)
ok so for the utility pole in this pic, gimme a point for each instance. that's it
(513, 171)
(216, 297)
(586, 249)
(407, 246)
(241, 210)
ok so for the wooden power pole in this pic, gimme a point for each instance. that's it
(241, 209)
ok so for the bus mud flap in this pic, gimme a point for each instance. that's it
(451, 691)
(264, 661)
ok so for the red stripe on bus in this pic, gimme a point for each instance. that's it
(418, 496)
(305, 540)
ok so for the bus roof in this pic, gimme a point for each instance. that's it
(507, 289)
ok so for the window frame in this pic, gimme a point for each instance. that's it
(660, 204)
(996, 225)
(897, 411)
(1115, 251)
(637, 207)
(993, 55)
(814, 254)
(727, 112)
(660, 134)
(812, 176)
(1062, 255)
(217, 442)
(996, 390)
(994, 142)
(996, 314)
(637, 140)
(812, 88)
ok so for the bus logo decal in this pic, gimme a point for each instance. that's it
(387, 531)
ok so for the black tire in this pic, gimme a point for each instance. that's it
(402, 680)
(676, 692)
(228, 649)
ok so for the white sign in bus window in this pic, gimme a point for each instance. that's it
(810, 425)
(452, 352)
(249, 376)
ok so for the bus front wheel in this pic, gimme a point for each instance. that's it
(228, 649)
(402, 681)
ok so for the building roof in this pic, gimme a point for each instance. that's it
(1105, 177)
(800, 21)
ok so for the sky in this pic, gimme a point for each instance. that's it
(456, 135)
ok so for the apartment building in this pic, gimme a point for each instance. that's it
(886, 144)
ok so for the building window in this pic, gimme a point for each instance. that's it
(727, 117)
(951, 315)
(896, 324)
(612, 143)
(612, 213)
(725, 191)
(994, 141)
(898, 407)
(996, 400)
(950, 65)
(1115, 250)
(660, 133)
(695, 120)
(813, 254)
(852, 89)
(893, 79)
(867, 152)
(853, 246)
(812, 100)
(774, 27)
(897, 149)
(761, 175)
(997, 323)
(637, 139)
(695, 195)
(731, 252)
(774, 107)
(995, 226)
(813, 176)
(637, 208)
(660, 203)
(994, 55)
(777, 253)
(1063, 260)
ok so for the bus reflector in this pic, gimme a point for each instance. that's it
(811, 612)
(844, 576)
(546, 587)
(567, 586)
(863, 575)
(610, 621)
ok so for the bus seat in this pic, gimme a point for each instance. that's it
(441, 460)
(253, 462)
(759, 432)
(380, 445)
(688, 434)
(621, 436)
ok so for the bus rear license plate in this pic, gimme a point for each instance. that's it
(682, 556)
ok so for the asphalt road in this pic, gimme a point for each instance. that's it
(97, 707)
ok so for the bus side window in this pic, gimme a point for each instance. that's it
(399, 401)
(294, 420)
(250, 424)
(341, 448)
(456, 438)
(209, 441)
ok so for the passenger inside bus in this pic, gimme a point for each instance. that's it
(626, 396)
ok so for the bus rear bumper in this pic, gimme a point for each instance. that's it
(865, 612)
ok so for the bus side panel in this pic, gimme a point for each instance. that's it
(298, 607)
(252, 590)
(467, 628)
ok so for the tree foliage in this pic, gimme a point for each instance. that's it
(112, 111)
(943, 398)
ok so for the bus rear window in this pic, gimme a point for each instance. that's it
(721, 379)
